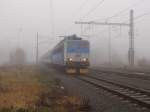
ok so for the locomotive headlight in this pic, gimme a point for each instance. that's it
(85, 59)
(70, 59)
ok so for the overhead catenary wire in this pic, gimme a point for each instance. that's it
(94, 8)
(120, 12)
(81, 6)
(142, 15)
(124, 10)
(117, 14)
(77, 12)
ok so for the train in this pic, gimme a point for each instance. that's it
(72, 54)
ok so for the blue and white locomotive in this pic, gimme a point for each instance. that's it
(72, 54)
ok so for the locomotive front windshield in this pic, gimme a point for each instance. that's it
(78, 47)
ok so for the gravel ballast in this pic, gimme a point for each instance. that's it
(100, 100)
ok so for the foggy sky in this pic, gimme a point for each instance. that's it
(20, 20)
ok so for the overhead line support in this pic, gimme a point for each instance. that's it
(102, 23)
(131, 33)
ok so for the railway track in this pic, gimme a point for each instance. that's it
(141, 76)
(134, 95)
(129, 70)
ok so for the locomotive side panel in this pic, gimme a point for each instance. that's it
(57, 55)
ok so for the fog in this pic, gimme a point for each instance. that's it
(20, 20)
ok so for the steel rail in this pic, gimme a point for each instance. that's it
(124, 74)
(135, 95)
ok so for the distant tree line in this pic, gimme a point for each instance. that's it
(17, 57)
(143, 62)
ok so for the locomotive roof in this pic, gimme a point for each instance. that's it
(67, 38)
(72, 37)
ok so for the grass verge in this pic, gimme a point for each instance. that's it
(31, 89)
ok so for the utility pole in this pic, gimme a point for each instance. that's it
(131, 39)
(37, 48)
(109, 46)
(131, 34)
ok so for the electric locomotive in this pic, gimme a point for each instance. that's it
(71, 54)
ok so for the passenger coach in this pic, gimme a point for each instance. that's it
(72, 54)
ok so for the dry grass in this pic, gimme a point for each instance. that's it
(19, 87)
(35, 90)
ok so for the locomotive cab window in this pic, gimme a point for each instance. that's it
(78, 46)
